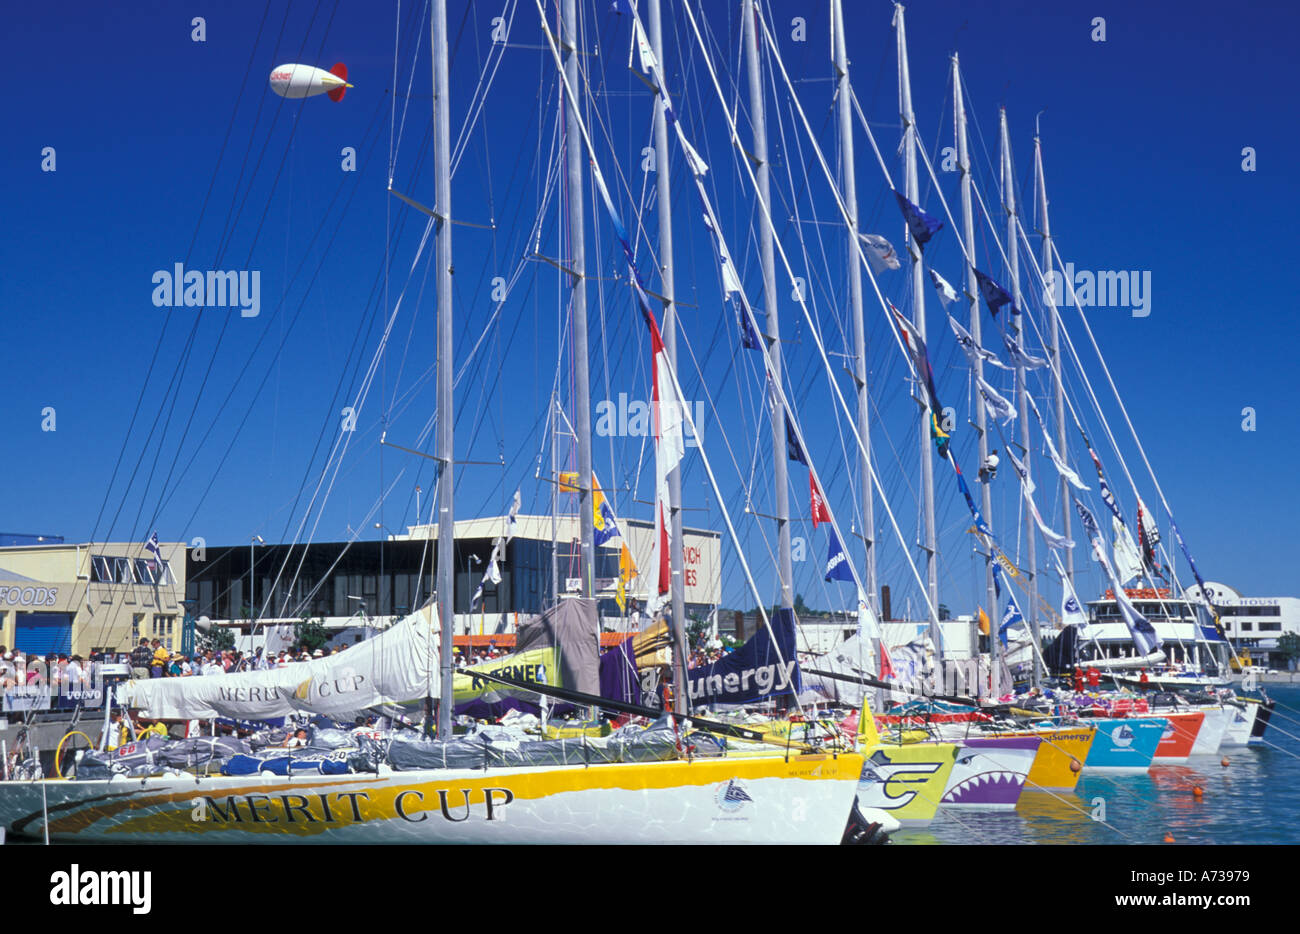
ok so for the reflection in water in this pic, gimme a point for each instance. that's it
(1254, 799)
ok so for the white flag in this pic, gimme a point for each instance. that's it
(997, 406)
(880, 253)
(1071, 611)
(947, 294)
(648, 60)
(974, 352)
(1128, 563)
(512, 522)
(1020, 357)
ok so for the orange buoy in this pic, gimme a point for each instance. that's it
(1224, 762)
(1169, 838)
(1197, 793)
(1075, 765)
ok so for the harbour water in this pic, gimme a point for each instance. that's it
(1255, 799)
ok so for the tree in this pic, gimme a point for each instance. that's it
(216, 639)
(311, 634)
(1288, 648)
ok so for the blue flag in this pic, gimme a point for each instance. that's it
(792, 446)
(837, 562)
(921, 225)
(1010, 617)
(994, 295)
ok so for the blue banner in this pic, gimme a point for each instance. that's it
(754, 671)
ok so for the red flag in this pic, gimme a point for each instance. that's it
(819, 510)
(886, 666)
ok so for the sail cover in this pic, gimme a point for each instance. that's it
(397, 666)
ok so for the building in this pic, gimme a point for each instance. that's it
(1254, 623)
(86, 598)
(371, 583)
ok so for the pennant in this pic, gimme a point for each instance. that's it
(984, 622)
(1010, 617)
(973, 351)
(837, 562)
(649, 61)
(792, 446)
(887, 671)
(1144, 634)
(880, 253)
(670, 447)
(819, 511)
(626, 571)
(940, 437)
(920, 357)
(1019, 357)
(512, 520)
(1128, 563)
(993, 294)
(604, 526)
(1061, 467)
(1071, 612)
(868, 625)
(994, 403)
(980, 524)
(919, 224)
(1148, 536)
(947, 294)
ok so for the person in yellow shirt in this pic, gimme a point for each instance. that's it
(160, 659)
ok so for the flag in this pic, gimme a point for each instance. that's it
(919, 224)
(1010, 617)
(920, 358)
(819, 511)
(670, 447)
(1139, 627)
(980, 524)
(568, 481)
(993, 294)
(152, 547)
(1071, 612)
(947, 294)
(996, 404)
(1061, 467)
(512, 520)
(984, 622)
(880, 253)
(868, 625)
(1128, 563)
(1019, 357)
(1148, 536)
(604, 526)
(649, 61)
(974, 352)
(837, 562)
(941, 437)
(886, 666)
(626, 571)
(792, 445)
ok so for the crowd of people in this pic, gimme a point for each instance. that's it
(63, 673)
(154, 660)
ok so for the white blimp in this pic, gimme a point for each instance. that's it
(297, 81)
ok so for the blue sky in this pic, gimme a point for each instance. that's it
(1143, 137)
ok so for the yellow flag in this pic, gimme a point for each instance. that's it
(568, 481)
(984, 622)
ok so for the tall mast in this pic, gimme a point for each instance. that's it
(1055, 349)
(779, 472)
(918, 317)
(850, 192)
(1017, 330)
(666, 274)
(578, 267)
(972, 296)
(446, 420)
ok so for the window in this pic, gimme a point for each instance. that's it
(122, 571)
(137, 619)
(101, 570)
(145, 574)
(1247, 626)
(1270, 627)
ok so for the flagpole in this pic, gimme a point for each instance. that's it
(1055, 348)
(981, 423)
(848, 171)
(1017, 329)
(446, 419)
(578, 268)
(918, 320)
(667, 280)
(758, 120)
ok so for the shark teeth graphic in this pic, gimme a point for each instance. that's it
(997, 787)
